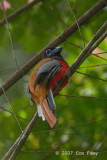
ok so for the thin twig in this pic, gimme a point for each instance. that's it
(69, 126)
(104, 98)
(76, 45)
(7, 71)
(70, 15)
(11, 107)
(19, 116)
(66, 25)
(13, 114)
(92, 76)
(61, 38)
(98, 65)
(100, 52)
(76, 22)
(99, 57)
(74, 4)
(11, 41)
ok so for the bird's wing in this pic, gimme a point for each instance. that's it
(30, 96)
(47, 71)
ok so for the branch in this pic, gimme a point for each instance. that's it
(17, 146)
(19, 11)
(61, 38)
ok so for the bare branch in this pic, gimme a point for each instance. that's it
(61, 38)
(19, 11)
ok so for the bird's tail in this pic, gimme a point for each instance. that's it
(45, 112)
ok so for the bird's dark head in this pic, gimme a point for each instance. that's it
(53, 52)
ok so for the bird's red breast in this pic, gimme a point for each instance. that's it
(58, 76)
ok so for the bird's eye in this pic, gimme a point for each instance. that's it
(48, 51)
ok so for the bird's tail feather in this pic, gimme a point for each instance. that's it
(40, 112)
(45, 112)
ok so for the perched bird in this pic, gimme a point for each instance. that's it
(43, 81)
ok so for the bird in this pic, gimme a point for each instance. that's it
(43, 81)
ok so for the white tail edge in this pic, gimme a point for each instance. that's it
(40, 113)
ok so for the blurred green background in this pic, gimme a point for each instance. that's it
(31, 31)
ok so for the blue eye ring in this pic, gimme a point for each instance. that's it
(48, 51)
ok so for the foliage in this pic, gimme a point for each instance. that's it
(30, 32)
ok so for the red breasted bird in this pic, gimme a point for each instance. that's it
(43, 80)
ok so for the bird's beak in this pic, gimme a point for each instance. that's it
(57, 50)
